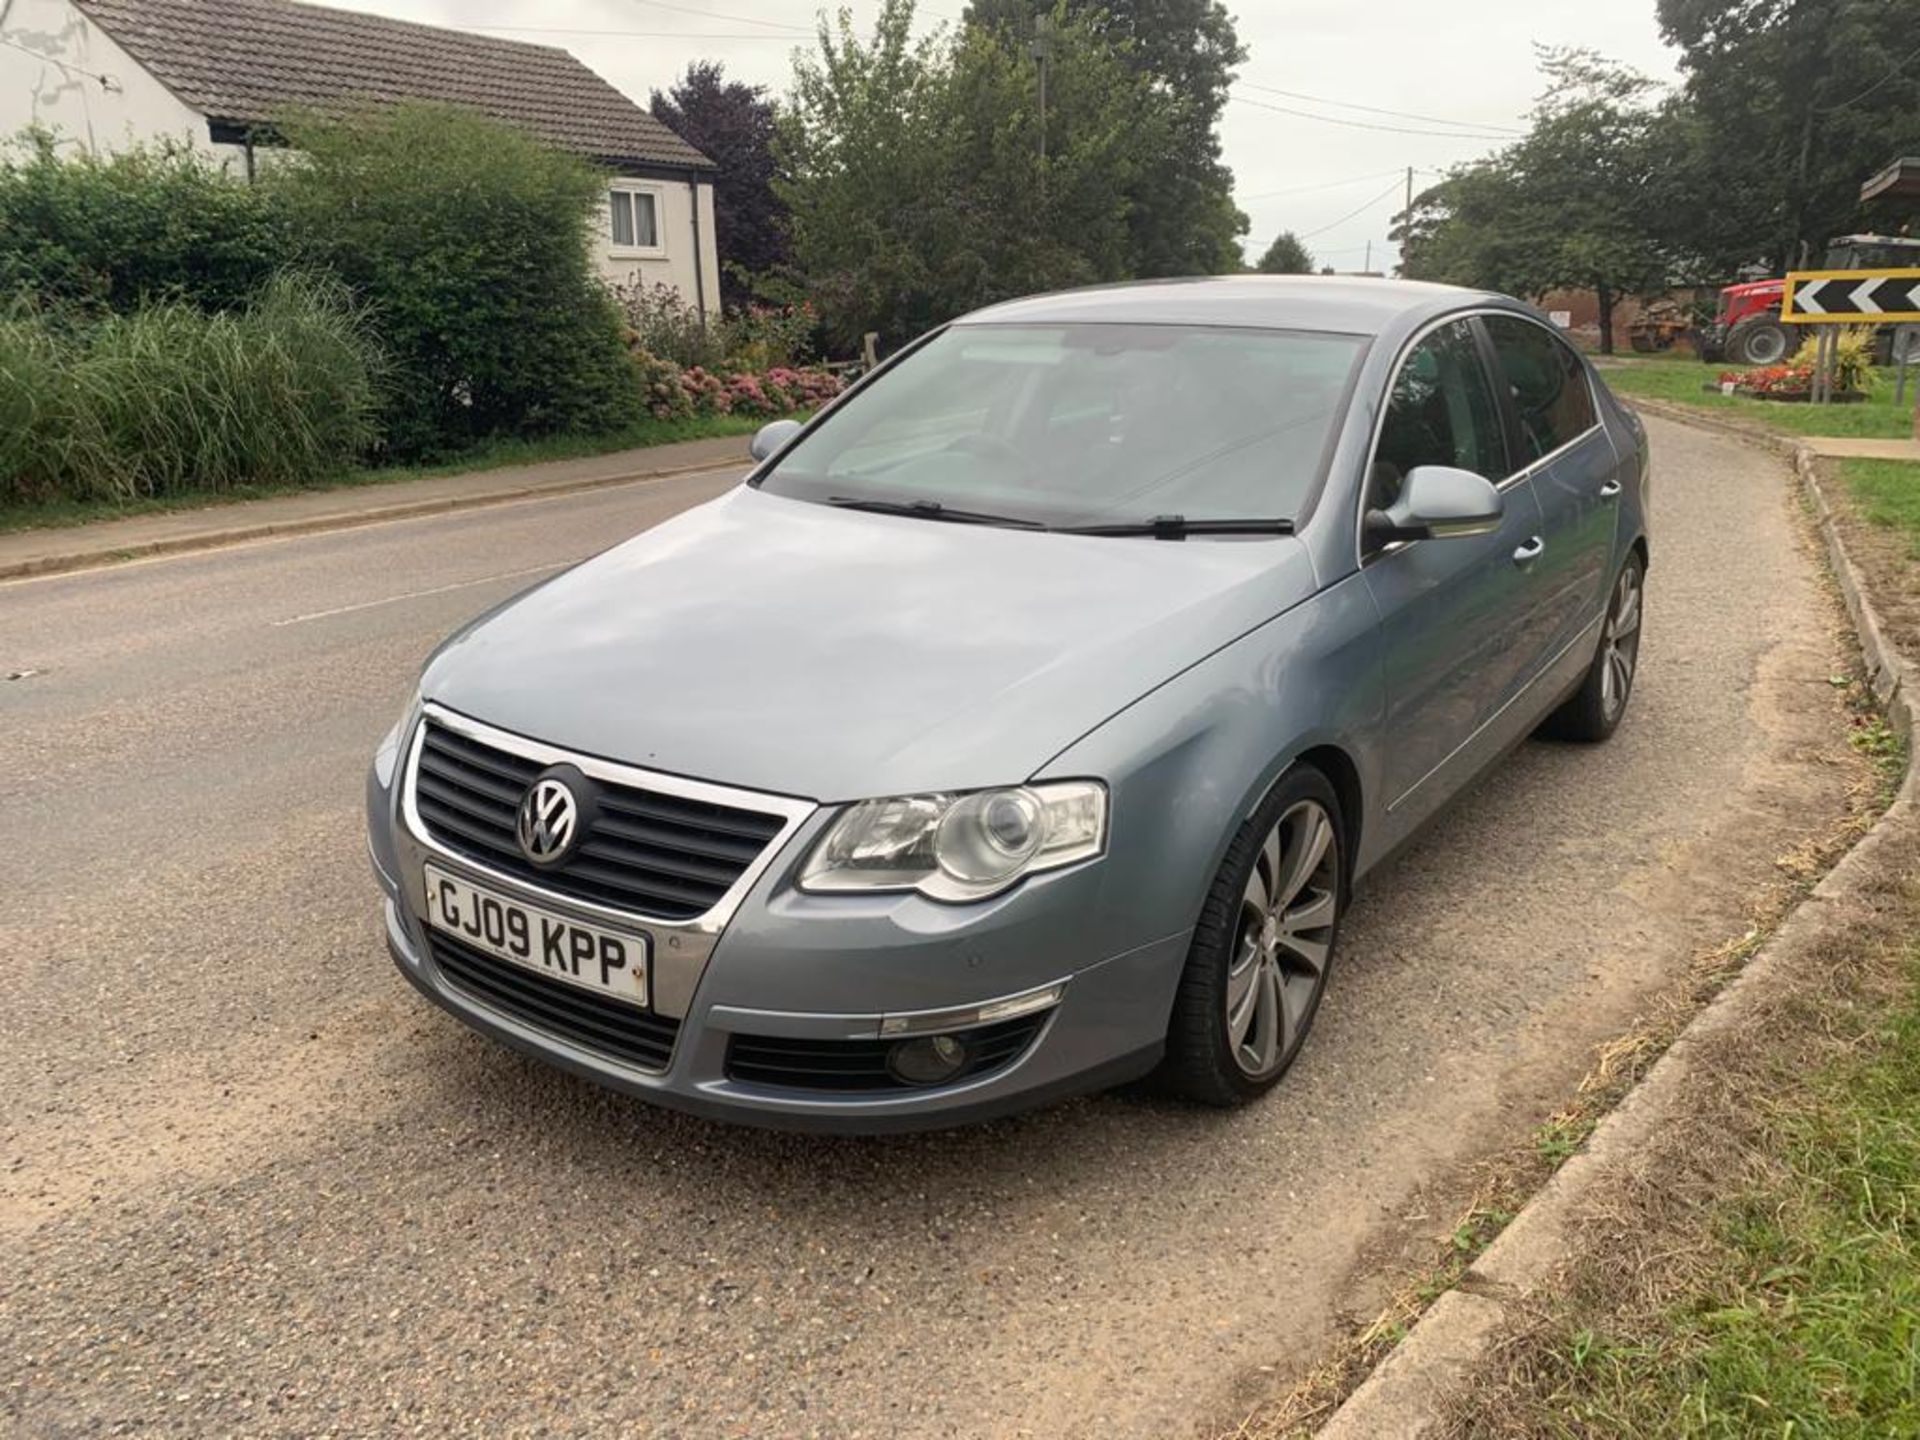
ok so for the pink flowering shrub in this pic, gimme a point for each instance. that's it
(663, 388)
(671, 392)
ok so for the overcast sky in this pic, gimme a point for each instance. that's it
(1469, 62)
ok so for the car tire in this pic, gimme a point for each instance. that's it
(1595, 710)
(1262, 951)
(1760, 341)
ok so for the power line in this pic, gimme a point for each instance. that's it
(639, 34)
(1352, 214)
(1377, 110)
(1325, 185)
(721, 15)
(1365, 124)
(1895, 73)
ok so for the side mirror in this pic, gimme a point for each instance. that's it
(1436, 503)
(772, 438)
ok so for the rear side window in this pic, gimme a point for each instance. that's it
(1549, 385)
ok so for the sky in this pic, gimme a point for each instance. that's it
(1309, 149)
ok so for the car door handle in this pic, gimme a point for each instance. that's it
(1610, 490)
(1529, 552)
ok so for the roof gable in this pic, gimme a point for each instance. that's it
(248, 61)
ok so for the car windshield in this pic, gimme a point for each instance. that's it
(1087, 424)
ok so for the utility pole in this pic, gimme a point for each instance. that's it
(1041, 49)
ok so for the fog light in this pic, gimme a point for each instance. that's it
(928, 1059)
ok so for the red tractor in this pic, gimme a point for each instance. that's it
(1747, 330)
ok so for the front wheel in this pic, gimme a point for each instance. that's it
(1261, 952)
(1594, 711)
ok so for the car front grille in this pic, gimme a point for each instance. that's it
(612, 1028)
(645, 851)
(862, 1064)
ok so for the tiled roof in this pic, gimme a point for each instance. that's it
(248, 61)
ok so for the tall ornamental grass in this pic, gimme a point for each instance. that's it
(168, 398)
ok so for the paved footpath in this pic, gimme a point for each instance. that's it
(33, 552)
(250, 1184)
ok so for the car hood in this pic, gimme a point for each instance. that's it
(786, 646)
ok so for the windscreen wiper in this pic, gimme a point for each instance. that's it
(933, 510)
(1178, 527)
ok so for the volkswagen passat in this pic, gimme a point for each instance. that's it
(1022, 724)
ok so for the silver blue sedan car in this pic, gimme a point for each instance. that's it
(1024, 723)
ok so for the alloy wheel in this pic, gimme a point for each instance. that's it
(1620, 645)
(1285, 939)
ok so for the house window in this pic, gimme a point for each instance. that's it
(636, 218)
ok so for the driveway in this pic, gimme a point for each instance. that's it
(250, 1183)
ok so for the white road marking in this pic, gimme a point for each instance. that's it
(137, 562)
(420, 594)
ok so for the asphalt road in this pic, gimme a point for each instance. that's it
(250, 1184)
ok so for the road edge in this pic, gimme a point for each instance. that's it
(1405, 1394)
(100, 557)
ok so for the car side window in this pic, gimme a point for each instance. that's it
(1549, 384)
(1442, 412)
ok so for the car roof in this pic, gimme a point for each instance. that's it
(1346, 304)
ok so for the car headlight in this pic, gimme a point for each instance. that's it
(387, 754)
(959, 846)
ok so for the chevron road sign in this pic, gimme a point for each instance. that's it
(1851, 297)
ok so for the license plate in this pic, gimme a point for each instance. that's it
(612, 962)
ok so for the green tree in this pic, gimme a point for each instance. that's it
(1182, 217)
(1789, 106)
(1286, 256)
(1570, 205)
(915, 180)
(467, 239)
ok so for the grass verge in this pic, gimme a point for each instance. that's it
(1760, 1274)
(1887, 493)
(494, 456)
(1682, 382)
(1786, 1303)
(1504, 1183)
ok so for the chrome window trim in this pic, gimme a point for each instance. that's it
(1361, 557)
(792, 812)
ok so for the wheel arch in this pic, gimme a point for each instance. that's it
(1344, 775)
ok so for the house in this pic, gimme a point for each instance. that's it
(106, 74)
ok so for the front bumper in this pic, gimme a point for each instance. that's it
(819, 973)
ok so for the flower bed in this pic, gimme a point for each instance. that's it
(1793, 379)
(1789, 383)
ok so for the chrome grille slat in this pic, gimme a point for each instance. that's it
(472, 781)
(645, 852)
(459, 797)
(691, 814)
(482, 757)
(716, 847)
(615, 858)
